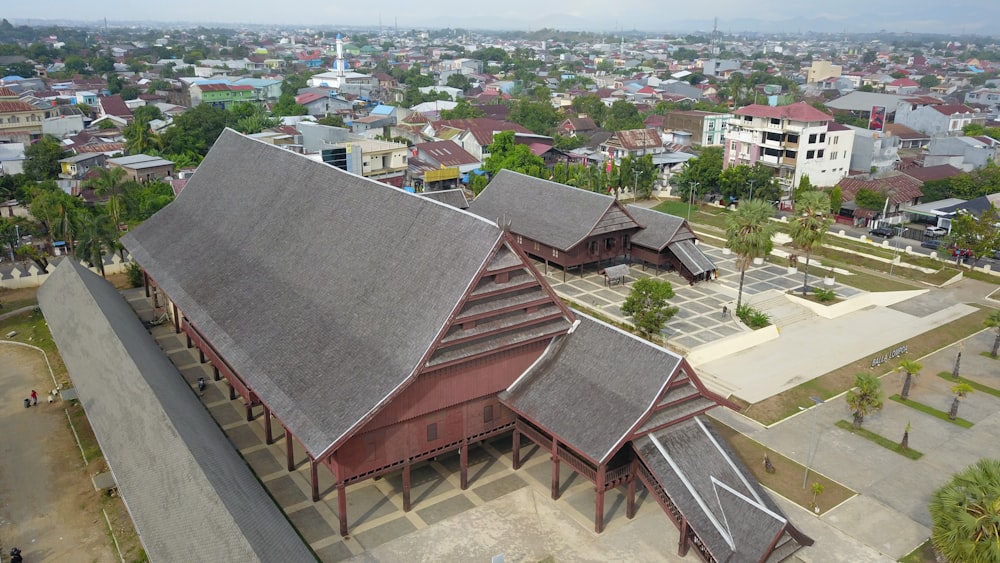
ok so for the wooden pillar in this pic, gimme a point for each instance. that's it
(314, 479)
(201, 355)
(289, 449)
(599, 503)
(268, 438)
(215, 373)
(232, 392)
(630, 500)
(555, 469)
(249, 410)
(463, 463)
(189, 343)
(145, 283)
(177, 319)
(342, 507)
(406, 486)
(516, 451)
(682, 545)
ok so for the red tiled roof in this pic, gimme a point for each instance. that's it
(212, 87)
(901, 187)
(834, 126)
(6, 92)
(114, 105)
(308, 97)
(13, 107)
(929, 173)
(904, 132)
(904, 82)
(953, 109)
(482, 128)
(797, 112)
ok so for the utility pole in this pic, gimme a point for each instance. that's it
(694, 186)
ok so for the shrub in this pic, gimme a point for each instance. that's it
(752, 317)
(824, 295)
(134, 274)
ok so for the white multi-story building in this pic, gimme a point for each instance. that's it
(795, 140)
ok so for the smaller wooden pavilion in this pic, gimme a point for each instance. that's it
(556, 223)
(618, 410)
(667, 241)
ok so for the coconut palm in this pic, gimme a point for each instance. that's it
(748, 235)
(865, 398)
(966, 515)
(110, 182)
(960, 391)
(808, 227)
(912, 369)
(96, 237)
(993, 321)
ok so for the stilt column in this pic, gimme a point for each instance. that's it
(406, 487)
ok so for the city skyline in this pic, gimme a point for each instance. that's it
(853, 16)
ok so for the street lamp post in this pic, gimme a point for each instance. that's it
(812, 445)
(635, 188)
(751, 189)
(694, 185)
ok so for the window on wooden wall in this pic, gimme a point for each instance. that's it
(609, 243)
(555, 253)
(593, 247)
(488, 413)
(432, 432)
(626, 242)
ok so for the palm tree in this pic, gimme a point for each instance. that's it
(960, 391)
(748, 234)
(809, 226)
(912, 368)
(110, 182)
(96, 237)
(865, 398)
(993, 321)
(966, 515)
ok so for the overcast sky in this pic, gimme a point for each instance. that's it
(955, 17)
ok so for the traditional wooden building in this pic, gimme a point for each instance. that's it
(379, 328)
(667, 241)
(557, 223)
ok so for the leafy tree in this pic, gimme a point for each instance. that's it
(965, 514)
(929, 81)
(960, 390)
(748, 234)
(505, 154)
(700, 174)
(56, 209)
(463, 110)
(147, 113)
(647, 305)
(912, 369)
(332, 121)
(622, 116)
(865, 397)
(805, 185)
(459, 81)
(836, 199)
(539, 117)
(809, 226)
(591, 106)
(993, 321)
(110, 183)
(567, 143)
(195, 130)
(742, 181)
(30, 252)
(129, 92)
(96, 236)
(42, 158)
(870, 199)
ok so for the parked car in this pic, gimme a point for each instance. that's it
(935, 231)
(932, 244)
(884, 232)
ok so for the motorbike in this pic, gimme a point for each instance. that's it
(15, 555)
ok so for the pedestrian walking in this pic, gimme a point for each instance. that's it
(725, 311)
(34, 397)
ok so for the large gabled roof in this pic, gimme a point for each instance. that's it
(594, 388)
(660, 228)
(323, 290)
(186, 487)
(551, 213)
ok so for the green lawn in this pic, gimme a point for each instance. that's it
(977, 386)
(927, 409)
(879, 439)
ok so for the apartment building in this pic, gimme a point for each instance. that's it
(707, 129)
(793, 140)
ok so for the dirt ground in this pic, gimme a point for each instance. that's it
(48, 505)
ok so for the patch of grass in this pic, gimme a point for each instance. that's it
(981, 276)
(86, 434)
(31, 329)
(923, 554)
(751, 317)
(927, 409)
(987, 355)
(832, 383)
(787, 477)
(880, 440)
(675, 208)
(977, 386)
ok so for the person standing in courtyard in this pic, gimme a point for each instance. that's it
(34, 397)
(725, 311)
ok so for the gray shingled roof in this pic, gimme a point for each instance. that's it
(322, 289)
(593, 386)
(187, 489)
(660, 228)
(714, 490)
(551, 213)
(691, 256)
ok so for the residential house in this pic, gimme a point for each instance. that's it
(902, 86)
(836, 162)
(967, 153)
(936, 118)
(633, 143)
(11, 158)
(475, 134)
(908, 138)
(114, 106)
(20, 122)
(901, 191)
(876, 152)
(77, 166)
(986, 98)
(573, 126)
(143, 167)
(707, 129)
(791, 139)
(323, 104)
(223, 96)
(819, 70)
(445, 154)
